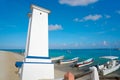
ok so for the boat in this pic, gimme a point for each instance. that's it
(112, 65)
(91, 74)
(84, 63)
(69, 61)
(57, 58)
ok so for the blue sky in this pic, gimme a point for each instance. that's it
(75, 24)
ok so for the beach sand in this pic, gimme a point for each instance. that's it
(8, 71)
(60, 70)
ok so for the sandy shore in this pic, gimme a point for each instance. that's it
(60, 70)
(8, 71)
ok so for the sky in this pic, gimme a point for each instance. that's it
(73, 24)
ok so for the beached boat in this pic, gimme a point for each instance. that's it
(112, 65)
(91, 74)
(57, 58)
(84, 63)
(69, 61)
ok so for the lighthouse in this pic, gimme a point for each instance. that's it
(37, 65)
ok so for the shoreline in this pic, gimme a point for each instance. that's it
(8, 70)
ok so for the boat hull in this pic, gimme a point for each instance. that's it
(66, 62)
(57, 58)
(84, 63)
(108, 71)
(69, 61)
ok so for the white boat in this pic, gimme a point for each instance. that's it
(84, 63)
(57, 58)
(112, 65)
(69, 61)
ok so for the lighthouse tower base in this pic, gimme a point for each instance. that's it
(37, 69)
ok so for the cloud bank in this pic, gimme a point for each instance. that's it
(77, 2)
(92, 17)
(55, 27)
(107, 16)
(118, 11)
(89, 17)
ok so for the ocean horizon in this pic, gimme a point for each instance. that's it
(81, 53)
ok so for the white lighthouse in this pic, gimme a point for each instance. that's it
(37, 64)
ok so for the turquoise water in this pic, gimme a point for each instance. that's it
(83, 54)
(19, 51)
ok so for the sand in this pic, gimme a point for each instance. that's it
(8, 71)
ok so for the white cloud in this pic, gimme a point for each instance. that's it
(76, 45)
(94, 44)
(107, 16)
(92, 17)
(89, 17)
(77, 2)
(55, 27)
(105, 43)
(118, 11)
(64, 44)
(78, 20)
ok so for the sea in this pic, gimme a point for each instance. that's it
(83, 54)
